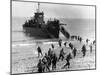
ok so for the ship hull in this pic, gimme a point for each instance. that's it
(37, 33)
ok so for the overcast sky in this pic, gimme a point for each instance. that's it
(27, 9)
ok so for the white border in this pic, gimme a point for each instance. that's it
(5, 37)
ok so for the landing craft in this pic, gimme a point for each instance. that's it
(36, 27)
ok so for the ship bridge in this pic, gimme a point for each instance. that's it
(39, 16)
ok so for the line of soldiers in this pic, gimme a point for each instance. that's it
(50, 59)
(74, 37)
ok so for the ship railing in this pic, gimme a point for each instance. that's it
(62, 24)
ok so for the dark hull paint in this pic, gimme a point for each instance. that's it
(37, 33)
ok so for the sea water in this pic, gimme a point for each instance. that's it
(81, 27)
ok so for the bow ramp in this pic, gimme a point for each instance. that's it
(64, 32)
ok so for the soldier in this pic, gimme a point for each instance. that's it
(54, 61)
(90, 48)
(49, 52)
(94, 42)
(84, 50)
(52, 54)
(74, 52)
(46, 61)
(52, 46)
(61, 55)
(68, 60)
(80, 39)
(45, 64)
(40, 66)
(75, 37)
(39, 51)
(65, 44)
(71, 45)
(60, 42)
(87, 40)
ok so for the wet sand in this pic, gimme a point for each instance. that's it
(25, 59)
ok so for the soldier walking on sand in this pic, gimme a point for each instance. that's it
(61, 55)
(49, 52)
(52, 46)
(94, 42)
(80, 39)
(65, 44)
(60, 42)
(54, 61)
(68, 60)
(90, 48)
(47, 62)
(84, 50)
(40, 66)
(71, 45)
(87, 40)
(39, 51)
(74, 52)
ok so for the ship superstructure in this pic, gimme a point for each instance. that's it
(37, 27)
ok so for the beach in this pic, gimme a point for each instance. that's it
(25, 56)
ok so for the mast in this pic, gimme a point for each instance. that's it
(38, 7)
